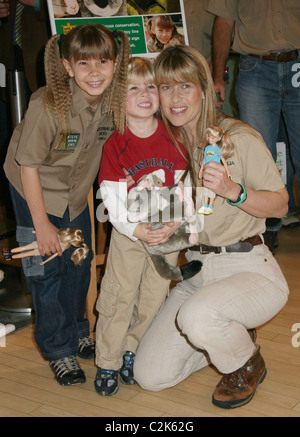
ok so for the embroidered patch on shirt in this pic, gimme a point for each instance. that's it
(104, 132)
(67, 143)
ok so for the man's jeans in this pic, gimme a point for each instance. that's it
(264, 91)
(58, 288)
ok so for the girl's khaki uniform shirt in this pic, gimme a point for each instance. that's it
(68, 164)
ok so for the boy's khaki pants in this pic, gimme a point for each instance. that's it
(131, 295)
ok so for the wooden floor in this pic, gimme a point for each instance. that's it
(28, 388)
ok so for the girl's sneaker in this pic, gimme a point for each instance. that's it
(86, 348)
(67, 371)
(106, 382)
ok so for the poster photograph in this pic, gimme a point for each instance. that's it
(150, 25)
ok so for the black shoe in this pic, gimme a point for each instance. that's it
(126, 372)
(106, 382)
(86, 348)
(67, 371)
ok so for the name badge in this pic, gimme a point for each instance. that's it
(67, 143)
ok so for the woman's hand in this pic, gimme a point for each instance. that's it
(214, 177)
(259, 203)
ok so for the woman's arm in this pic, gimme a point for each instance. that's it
(262, 204)
(46, 232)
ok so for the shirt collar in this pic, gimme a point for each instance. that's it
(79, 103)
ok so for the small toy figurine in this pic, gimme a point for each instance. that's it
(67, 237)
(217, 147)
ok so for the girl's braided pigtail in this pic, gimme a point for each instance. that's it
(116, 98)
(58, 94)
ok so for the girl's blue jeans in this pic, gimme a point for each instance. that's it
(58, 288)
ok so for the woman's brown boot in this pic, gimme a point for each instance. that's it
(237, 388)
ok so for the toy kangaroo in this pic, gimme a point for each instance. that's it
(157, 205)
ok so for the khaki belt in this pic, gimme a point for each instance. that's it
(279, 56)
(241, 246)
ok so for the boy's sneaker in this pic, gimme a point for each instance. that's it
(106, 382)
(126, 372)
(67, 371)
(86, 348)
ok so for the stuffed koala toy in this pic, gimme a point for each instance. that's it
(102, 8)
(150, 202)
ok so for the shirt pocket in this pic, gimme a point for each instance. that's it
(31, 264)
(106, 304)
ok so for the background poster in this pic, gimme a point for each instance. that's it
(131, 16)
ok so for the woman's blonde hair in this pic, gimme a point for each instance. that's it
(178, 64)
(182, 63)
(87, 41)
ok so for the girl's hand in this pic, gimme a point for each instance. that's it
(47, 239)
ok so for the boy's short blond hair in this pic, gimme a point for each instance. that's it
(141, 68)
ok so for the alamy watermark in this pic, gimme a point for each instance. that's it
(296, 77)
(296, 337)
(165, 204)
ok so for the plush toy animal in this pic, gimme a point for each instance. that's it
(157, 205)
(89, 8)
(102, 8)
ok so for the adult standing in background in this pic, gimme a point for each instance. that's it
(35, 32)
(267, 36)
(199, 26)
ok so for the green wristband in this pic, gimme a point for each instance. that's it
(241, 197)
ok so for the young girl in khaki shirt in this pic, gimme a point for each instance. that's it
(52, 162)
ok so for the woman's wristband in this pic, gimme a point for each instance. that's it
(241, 197)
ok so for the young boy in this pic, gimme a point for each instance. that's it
(132, 292)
